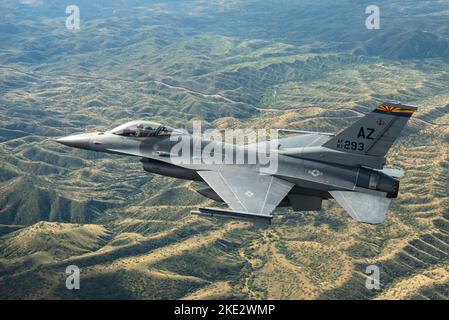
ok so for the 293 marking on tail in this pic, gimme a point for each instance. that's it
(350, 145)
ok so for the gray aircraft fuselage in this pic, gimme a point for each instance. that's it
(312, 178)
(253, 180)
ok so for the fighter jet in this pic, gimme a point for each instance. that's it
(310, 166)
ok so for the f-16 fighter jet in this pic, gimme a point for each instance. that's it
(310, 166)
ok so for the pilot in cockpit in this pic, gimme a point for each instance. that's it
(141, 128)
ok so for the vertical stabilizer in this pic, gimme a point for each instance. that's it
(375, 133)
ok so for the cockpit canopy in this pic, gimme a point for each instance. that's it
(142, 128)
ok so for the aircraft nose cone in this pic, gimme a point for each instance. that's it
(81, 141)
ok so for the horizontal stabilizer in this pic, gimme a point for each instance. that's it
(363, 207)
(217, 212)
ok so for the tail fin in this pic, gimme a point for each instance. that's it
(375, 133)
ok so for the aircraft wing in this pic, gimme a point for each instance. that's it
(248, 194)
